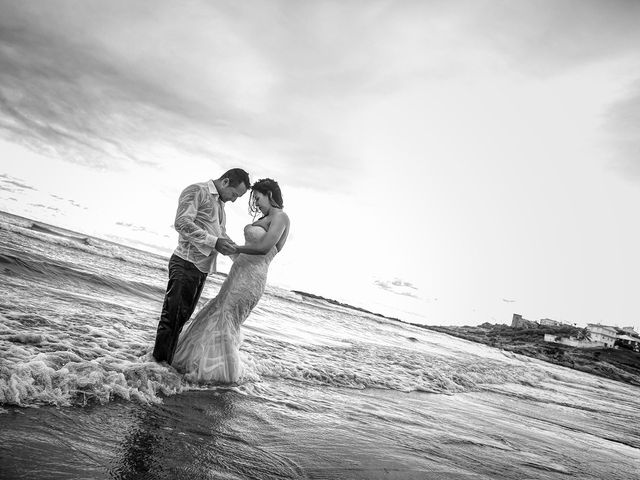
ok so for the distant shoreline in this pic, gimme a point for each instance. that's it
(346, 305)
(81, 237)
(615, 364)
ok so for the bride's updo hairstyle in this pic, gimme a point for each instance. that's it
(267, 187)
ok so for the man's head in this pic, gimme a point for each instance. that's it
(232, 184)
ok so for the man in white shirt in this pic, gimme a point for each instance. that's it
(200, 222)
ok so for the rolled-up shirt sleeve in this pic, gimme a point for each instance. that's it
(190, 200)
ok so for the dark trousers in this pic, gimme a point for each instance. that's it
(183, 291)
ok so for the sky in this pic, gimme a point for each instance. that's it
(444, 162)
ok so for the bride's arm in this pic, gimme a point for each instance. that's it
(266, 243)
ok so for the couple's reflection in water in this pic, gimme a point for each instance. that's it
(184, 437)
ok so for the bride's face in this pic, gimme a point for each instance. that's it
(262, 202)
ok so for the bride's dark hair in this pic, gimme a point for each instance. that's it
(268, 187)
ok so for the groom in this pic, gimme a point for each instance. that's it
(200, 222)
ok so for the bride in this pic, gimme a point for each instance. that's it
(208, 350)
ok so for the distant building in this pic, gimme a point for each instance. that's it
(630, 342)
(572, 342)
(518, 322)
(549, 323)
(603, 333)
(600, 336)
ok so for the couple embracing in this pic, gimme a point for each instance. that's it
(208, 350)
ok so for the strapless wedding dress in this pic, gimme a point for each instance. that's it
(208, 349)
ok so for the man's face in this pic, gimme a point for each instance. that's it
(230, 194)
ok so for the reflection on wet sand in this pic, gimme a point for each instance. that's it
(198, 435)
(171, 440)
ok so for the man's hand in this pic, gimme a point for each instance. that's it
(225, 246)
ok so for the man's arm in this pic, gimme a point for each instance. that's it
(188, 204)
(225, 245)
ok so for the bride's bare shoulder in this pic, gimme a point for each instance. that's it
(283, 217)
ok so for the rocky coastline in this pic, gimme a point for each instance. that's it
(614, 363)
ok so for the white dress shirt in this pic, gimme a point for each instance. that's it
(200, 221)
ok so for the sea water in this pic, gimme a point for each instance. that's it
(327, 391)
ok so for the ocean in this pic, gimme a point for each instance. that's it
(328, 392)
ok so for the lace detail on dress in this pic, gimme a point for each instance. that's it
(208, 349)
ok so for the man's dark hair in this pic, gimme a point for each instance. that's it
(237, 176)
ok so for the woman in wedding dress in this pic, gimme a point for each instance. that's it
(208, 350)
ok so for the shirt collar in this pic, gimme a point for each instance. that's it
(212, 188)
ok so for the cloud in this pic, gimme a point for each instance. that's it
(58, 97)
(15, 185)
(9, 183)
(622, 124)
(264, 85)
(47, 207)
(72, 202)
(131, 226)
(544, 37)
(398, 287)
(106, 84)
